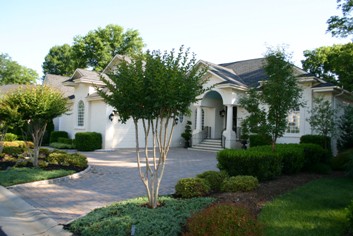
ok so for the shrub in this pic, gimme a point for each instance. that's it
(313, 154)
(44, 152)
(65, 159)
(21, 144)
(240, 183)
(259, 140)
(340, 161)
(349, 218)
(349, 167)
(13, 150)
(61, 145)
(321, 168)
(214, 179)
(10, 137)
(323, 141)
(223, 219)
(262, 165)
(192, 187)
(65, 140)
(55, 135)
(88, 141)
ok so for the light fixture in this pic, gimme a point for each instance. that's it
(111, 116)
(222, 113)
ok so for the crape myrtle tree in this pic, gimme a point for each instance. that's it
(153, 90)
(34, 107)
(268, 106)
(8, 119)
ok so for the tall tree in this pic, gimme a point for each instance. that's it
(34, 106)
(13, 73)
(269, 107)
(93, 50)
(154, 89)
(342, 26)
(332, 63)
(345, 140)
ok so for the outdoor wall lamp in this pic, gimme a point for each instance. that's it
(111, 116)
(222, 113)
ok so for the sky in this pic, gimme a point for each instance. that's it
(217, 31)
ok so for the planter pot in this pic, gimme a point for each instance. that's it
(187, 144)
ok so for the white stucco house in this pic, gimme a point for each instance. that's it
(216, 116)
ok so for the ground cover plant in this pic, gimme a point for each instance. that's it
(133, 215)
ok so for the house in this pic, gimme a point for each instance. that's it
(216, 116)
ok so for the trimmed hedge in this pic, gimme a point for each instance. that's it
(314, 154)
(259, 140)
(55, 135)
(340, 161)
(261, 164)
(214, 179)
(192, 187)
(65, 159)
(9, 137)
(323, 141)
(88, 141)
(240, 183)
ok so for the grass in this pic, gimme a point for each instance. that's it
(119, 218)
(24, 175)
(317, 208)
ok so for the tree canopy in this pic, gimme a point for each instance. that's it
(13, 73)
(269, 105)
(154, 89)
(342, 26)
(332, 63)
(93, 50)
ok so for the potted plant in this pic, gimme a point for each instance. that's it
(187, 134)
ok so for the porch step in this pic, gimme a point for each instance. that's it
(211, 145)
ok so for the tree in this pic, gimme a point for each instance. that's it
(59, 61)
(345, 140)
(269, 106)
(34, 106)
(342, 26)
(332, 63)
(322, 118)
(94, 50)
(154, 89)
(8, 118)
(13, 73)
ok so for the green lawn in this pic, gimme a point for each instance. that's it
(24, 175)
(317, 208)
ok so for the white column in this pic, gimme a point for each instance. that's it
(229, 126)
(199, 119)
(197, 132)
(229, 134)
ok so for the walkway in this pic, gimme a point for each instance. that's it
(113, 177)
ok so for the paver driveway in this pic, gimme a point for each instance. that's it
(113, 177)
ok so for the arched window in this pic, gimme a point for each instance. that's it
(81, 113)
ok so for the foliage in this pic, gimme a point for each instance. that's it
(118, 218)
(88, 141)
(349, 218)
(214, 179)
(93, 50)
(333, 63)
(322, 119)
(349, 167)
(13, 73)
(321, 168)
(314, 154)
(316, 208)
(342, 26)
(59, 145)
(340, 161)
(24, 175)
(292, 156)
(18, 143)
(242, 183)
(345, 140)
(34, 106)
(46, 138)
(66, 159)
(153, 90)
(223, 219)
(187, 134)
(316, 139)
(192, 187)
(55, 135)
(259, 140)
(262, 165)
(9, 137)
(13, 150)
(268, 110)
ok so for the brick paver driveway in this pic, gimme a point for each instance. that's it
(113, 177)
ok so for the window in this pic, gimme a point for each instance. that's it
(80, 113)
(293, 122)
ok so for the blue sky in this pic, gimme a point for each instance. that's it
(217, 31)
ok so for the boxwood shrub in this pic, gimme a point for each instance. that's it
(242, 183)
(74, 160)
(10, 137)
(214, 179)
(88, 141)
(192, 187)
(55, 135)
(314, 154)
(261, 164)
(259, 140)
(323, 141)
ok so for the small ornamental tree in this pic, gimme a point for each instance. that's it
(34, 106)
(153, 90)
(268, 106)
(8, 118)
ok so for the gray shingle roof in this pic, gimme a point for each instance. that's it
(56, 81)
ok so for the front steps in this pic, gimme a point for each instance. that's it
(210, 145)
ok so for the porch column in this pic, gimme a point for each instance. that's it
(197, 132)
(229, 134)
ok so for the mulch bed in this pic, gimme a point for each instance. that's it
(269, 190)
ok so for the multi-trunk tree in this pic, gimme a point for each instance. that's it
(33, 107)
(268, 106)
(153, 90)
